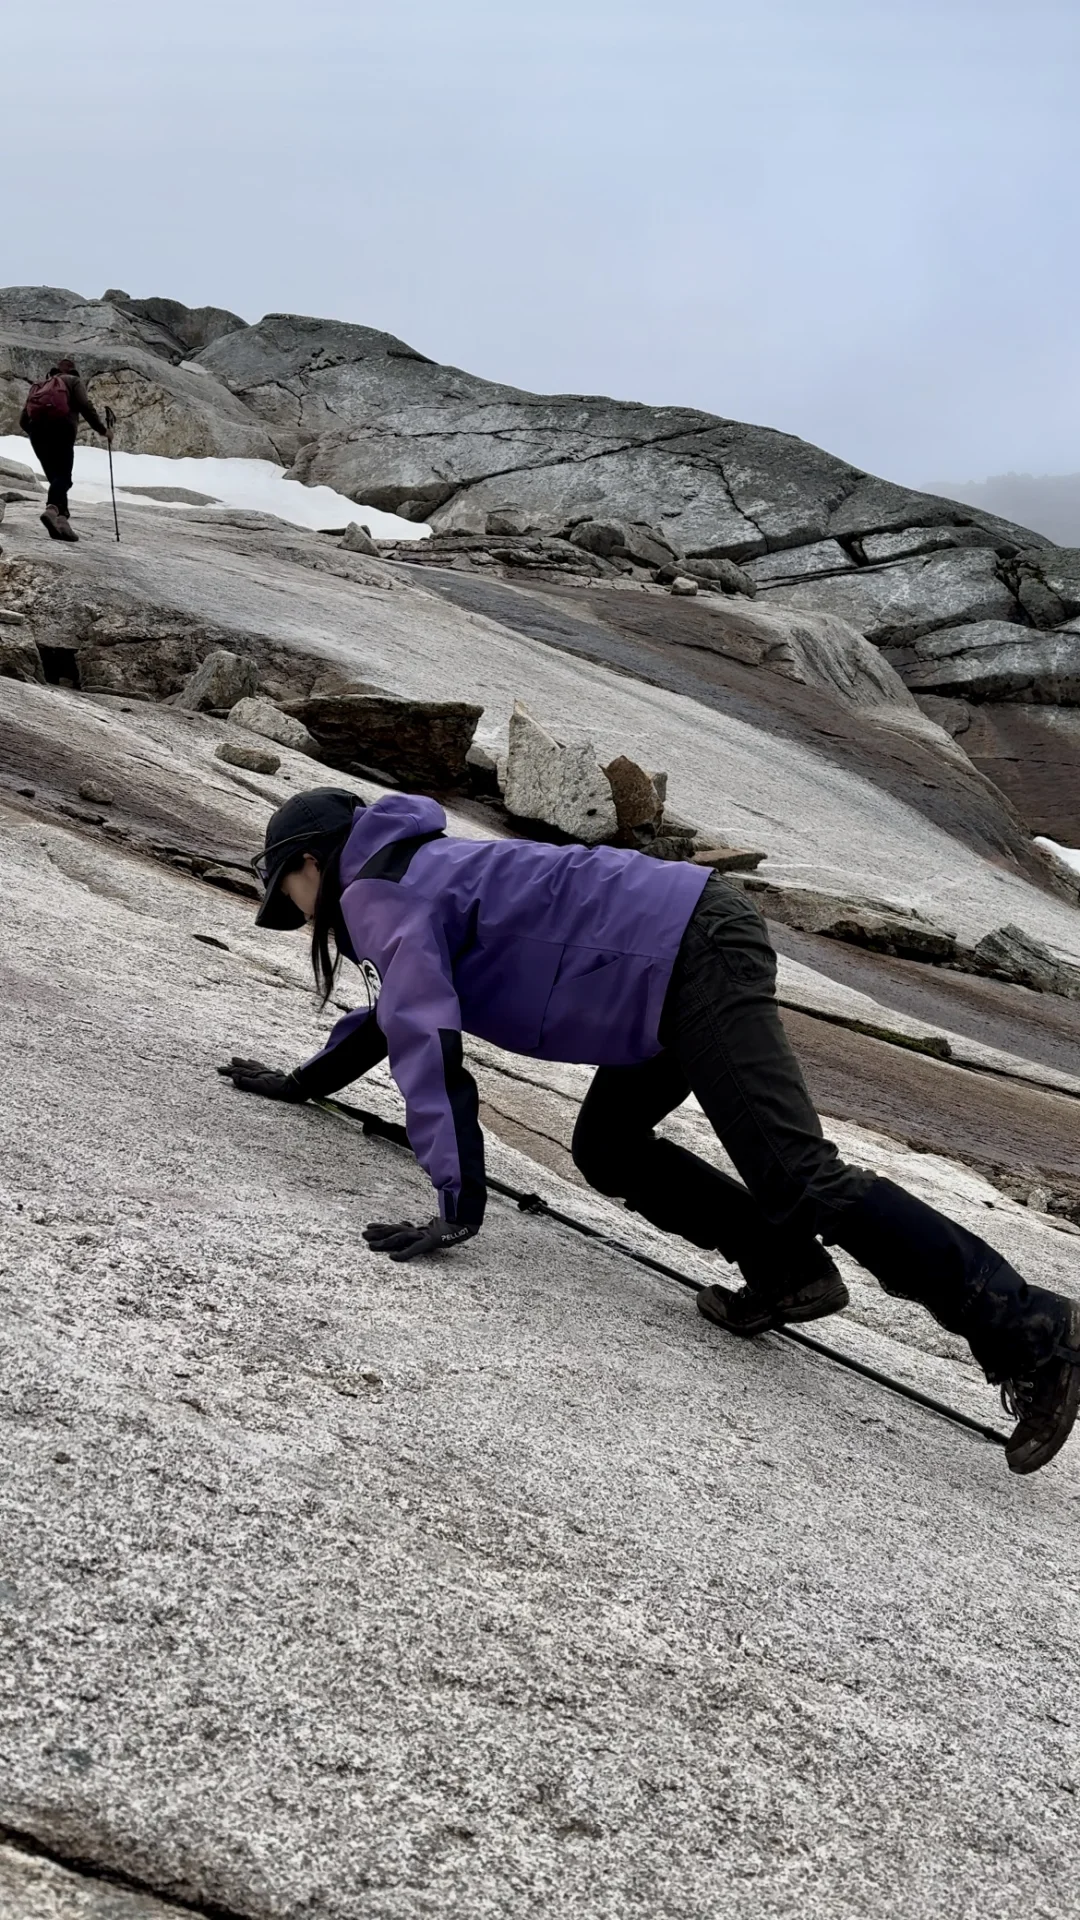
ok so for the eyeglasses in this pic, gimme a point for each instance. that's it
(264, 863)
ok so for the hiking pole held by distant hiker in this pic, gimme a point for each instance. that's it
(110, 422)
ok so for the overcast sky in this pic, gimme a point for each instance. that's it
(852, 220)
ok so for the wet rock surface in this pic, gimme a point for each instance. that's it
(1026, 1024)
(1031, 753)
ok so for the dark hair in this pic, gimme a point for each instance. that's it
(328, 920)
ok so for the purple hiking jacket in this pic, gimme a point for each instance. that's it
(563, 953)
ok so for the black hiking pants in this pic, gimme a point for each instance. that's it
(54, 443)
(723, 1040)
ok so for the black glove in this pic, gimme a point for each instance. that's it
(404, 1241)
(251, 1076)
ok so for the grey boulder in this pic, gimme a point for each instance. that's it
(727, 859)
(509, 519)
(1011, 954)
(260, 716)
(615, 538)
(221, 680)
(13, 473)
(174, 496)
(357, 539)
(724, 574)
(420, 744)
(19, 657)
(251, 759)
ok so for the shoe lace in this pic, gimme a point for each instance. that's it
(1017, 1397)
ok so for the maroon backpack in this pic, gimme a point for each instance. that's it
(49, 400)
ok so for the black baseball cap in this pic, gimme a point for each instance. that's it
(314, 822)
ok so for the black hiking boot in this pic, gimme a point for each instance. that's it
(748, 1312)
(65, 530)
(1045, 1404)
(50, 520)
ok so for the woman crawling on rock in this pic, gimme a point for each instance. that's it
(661, 976)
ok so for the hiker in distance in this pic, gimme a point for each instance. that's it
(661, 976)
(50, 419)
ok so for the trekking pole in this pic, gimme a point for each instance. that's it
(531, 1203)
(110, 422)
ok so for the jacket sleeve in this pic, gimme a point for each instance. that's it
(82, 403)
(354, 1045)
(418, 1012)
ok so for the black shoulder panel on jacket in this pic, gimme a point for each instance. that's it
(394, 861)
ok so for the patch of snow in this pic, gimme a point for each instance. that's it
(255, 485)
(1070, 855)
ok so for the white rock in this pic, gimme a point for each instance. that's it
(565, 787)
(260, 716)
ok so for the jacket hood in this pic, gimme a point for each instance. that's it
(397, 816)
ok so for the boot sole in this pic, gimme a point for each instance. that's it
(833, 1302)
(52, 531)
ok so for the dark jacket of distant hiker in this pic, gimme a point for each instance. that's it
(52, 433)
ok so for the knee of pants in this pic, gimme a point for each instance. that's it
(599, 1159)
